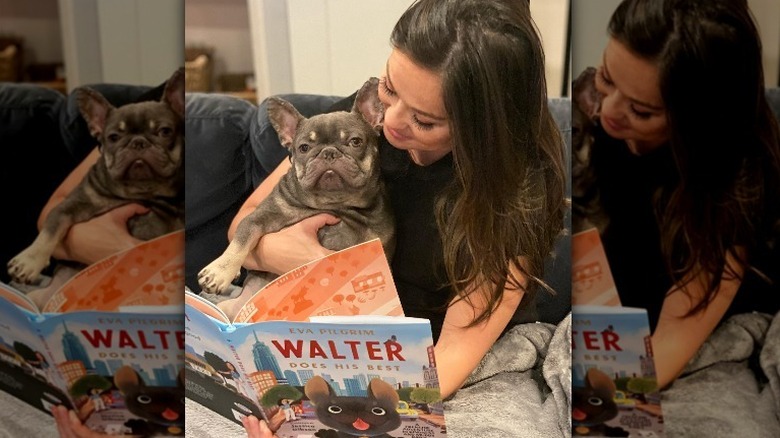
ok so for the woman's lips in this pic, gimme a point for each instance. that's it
(612, 124)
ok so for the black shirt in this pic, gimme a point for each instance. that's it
(627, 186)
(418, 265)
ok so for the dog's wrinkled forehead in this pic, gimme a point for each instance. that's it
(335, 127)
(142, 116)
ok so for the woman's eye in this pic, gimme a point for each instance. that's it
(303, 148)
(602, 77)
(421, 125)
(385, 88)
(640, 114)
(356, 142)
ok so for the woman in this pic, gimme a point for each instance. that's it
(686, 160)
(473, 162)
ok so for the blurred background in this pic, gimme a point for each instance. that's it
(62, 44)
(589, 34)
(256, 48)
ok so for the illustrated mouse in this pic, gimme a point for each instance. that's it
(355, 417)
(161, 408)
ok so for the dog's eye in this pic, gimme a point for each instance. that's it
(303, 148)
(113, 138)
(333, 409)
(144, 399)
(355, 142)
(378, 411)
(165, 132)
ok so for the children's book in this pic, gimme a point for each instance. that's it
(614, 387)
(327, 352)
(592, 281)
(108, 344)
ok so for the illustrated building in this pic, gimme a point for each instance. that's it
(264, 359)
(71, 346)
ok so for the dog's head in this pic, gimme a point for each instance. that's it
(334, 153)
(140, 142)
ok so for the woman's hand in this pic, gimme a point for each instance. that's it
(291, 247)
(104, 235)
(256, 428)
(69, 425)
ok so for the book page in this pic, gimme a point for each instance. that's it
(27, 365)
(149, 274)
(17, 297)
(204, 306)
(612, 362)
(354, 281)
(592, 281)
(212, 369)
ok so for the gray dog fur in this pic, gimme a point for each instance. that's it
(335, 169)
(142, 146)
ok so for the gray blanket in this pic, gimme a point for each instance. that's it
(731, 388)
(522, 388)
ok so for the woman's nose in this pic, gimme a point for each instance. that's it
(394, 116)
(612, 106)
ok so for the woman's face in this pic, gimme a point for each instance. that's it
(632, 108)
(415, 119)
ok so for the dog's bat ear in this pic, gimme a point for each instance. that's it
(367, 103)
(94, 108)
(174, 92)
(586, 97)
(285, 119)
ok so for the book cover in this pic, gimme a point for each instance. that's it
(614, 387)
(346, 361)
(107, 343)
(354, 281)
(592, 281)
(123, 371)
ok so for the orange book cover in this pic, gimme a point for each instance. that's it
(592, 281)
(353, 281)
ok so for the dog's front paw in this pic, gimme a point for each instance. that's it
(26, 267)
(216, 277)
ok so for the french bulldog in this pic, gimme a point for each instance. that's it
(335, 169)
(141, 153)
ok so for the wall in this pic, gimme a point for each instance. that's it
(37, 22)
(332, 46)
(130, 41)
(224, 26)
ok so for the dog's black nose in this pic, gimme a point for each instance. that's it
(330, 153)
(138, 143)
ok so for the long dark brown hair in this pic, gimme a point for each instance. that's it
(508, 197)
(724, 137)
